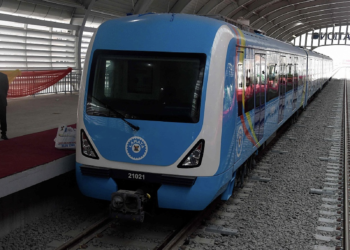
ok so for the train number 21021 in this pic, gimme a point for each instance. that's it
(136, 176)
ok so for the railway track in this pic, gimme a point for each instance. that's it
(346, 179)
(103, 230)
(176, 234)
(107, 231)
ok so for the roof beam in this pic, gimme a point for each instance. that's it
(302, 14)
(88, 7)
(307, 19)
(209, 6)
(315, 25)
(287, 28)
(33, 21)
(280, 9)
(229, 8)
(234, 7)
(254, 7)
(179, 6)
(142, 6)
(306, 29)
(49, 5)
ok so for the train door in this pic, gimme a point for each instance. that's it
(260, 94)
(282, 88)
(295, 82)
(310, 78)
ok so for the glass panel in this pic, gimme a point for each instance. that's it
(60, 30)
(262, 79)
(336, 34)
(272, 81)
(11, 46)
(12, 24)
(314, 42)
(309, 39)
(282, 82)
(290, 73)
(257, 79)
(297, 41)
(296, 72)
(323, 34)
(302, 42)
(12, 65)
(38, 41)
(13, 52)
(249, 79)
(38, 27)
(342, 35)
(272, 76)
(329, 35)
(12, 59)
(12, 39)
(240, 80)
(14, 32)
(146, 85)
(38, 34)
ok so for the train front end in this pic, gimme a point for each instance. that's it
(149, 122)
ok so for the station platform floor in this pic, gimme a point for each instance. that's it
(29, 156)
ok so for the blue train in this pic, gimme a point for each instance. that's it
(172, 107)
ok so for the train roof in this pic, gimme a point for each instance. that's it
(192, 32)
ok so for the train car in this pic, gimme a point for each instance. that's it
(173, 106)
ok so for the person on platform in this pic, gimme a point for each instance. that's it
(4, 87)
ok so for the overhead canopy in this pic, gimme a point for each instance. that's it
(280, 19)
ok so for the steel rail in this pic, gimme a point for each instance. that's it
(86, 233)
(176, 240)
(346, 172)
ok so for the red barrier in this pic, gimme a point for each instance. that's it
(31, 82)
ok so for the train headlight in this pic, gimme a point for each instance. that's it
(194, 157)
(86, 147)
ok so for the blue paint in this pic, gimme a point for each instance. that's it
(95, 187)
(166, 141)
(197, 197)
(228, 192)
(227, 154)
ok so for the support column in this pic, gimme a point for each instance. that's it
(80, 34)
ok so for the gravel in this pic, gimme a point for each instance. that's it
(279, 214)
(282, 214)
(76, 210)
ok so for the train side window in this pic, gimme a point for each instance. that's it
(272, 82)
(290, 76)
(257, 79)
(249, 86)
(296, 73)
(302, 79)
(282, 76)
(245, 80)
(240, 85)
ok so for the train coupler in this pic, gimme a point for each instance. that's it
(128, 205)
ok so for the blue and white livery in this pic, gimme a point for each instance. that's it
(172, 107)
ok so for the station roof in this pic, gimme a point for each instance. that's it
(280, 19)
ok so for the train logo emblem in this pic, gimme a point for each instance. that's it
(239, 141)
(136, 148)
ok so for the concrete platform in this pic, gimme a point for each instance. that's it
(30, 115)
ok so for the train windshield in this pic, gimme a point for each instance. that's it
(146, 85)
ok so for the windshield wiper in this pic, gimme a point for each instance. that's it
(121, 116)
